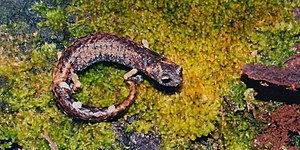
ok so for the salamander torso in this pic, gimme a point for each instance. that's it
(92, 48)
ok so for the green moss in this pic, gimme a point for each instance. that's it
(276, 43)
(210, 40)
(55, 17)
(102, 85)
(240, 125)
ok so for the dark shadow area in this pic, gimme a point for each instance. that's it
(272, 91)
(206, 142)
(13, 146)
(202, 139)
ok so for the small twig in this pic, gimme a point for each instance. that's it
(52, 144)
(229, 103)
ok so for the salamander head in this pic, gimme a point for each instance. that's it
(168, 74)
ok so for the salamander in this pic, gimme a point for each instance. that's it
(102, 46)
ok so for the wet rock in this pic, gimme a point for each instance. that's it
(14, 11)
(71, 18)
(51, 36)
(135, 140)
(274, 82)
(288, 77)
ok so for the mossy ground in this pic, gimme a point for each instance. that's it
(210, 40)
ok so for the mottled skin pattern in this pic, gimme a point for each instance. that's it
(112, 48)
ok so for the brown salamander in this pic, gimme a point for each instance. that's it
(112, 48)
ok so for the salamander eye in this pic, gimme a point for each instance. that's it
(166, 79)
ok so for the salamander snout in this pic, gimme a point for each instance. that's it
(171, 76)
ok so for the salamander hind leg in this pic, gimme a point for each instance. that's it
(58, 55)
(76, 81)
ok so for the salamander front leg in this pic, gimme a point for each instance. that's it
(131, 73)
(133, 76)
(145, 43)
